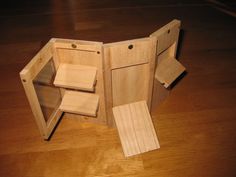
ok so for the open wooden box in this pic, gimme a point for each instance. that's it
(98, 82)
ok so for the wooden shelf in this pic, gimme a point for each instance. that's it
(135, 127)
(80, 103)
(76, 77)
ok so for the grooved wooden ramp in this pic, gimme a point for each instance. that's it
(135, 127)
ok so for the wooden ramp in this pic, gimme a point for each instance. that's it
(135, 127)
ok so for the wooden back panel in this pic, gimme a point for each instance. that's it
(131, 79)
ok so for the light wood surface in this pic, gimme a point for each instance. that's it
(168, 70)
(29, 73)
(88, 53)
(80, 103)
(129, 72)
(167, 39)
(128, 53)
(130, 84)
(167, 35)
(195, 124)
(79, 77)
(135, 127)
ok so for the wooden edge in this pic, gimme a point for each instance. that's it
(37, 63)
(100, 78)
(125, 42)
(77, 45)
(76, 41)
(35, 106)
(152, 64)
(176, 70)
(51, 124)
(62, 84)
(172, 24)
(108, 86)
(95, 98)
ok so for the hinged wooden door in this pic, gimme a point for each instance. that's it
(44, 98)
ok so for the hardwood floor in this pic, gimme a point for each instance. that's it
(195, 125)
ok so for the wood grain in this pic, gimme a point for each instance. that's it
(168, 70)
(128, 53)
(80, 103)
(135, 127)
(130, 84)
(85, 77)
(167, 39)
(88, 53)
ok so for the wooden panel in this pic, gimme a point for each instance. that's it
(167, 41)
(76, 77)
(38, 62)
(160, 93)
(133, 82)
(77, 44)
(130, 84)
(135, 127)
(80, 103)
(168, 70)
(130, 52)
(167, 35)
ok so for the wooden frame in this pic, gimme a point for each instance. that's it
(27, 76)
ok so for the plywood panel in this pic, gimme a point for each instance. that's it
(79, 77)
(130, 84)
(80, 103)
(130, 52)
(168, 70)
(135, 127)
(131, 79)
(167, 35)
(167, 41)
(28, 74)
